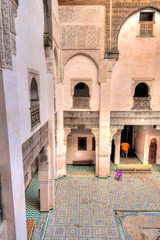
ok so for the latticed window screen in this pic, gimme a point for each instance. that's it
(146, 29)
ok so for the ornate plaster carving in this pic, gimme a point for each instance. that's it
(33, 74)
(84, 15)
(8, 13)
(121, 10)
(13, 15)
(148, 81)
(89, 119)
(75, 81)
(80, 36)
(49, 59)
(5, 41)
(3, 230)
(121, 118)
(32, 147)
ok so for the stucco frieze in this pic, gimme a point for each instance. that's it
(5, 41)
(80, 36)
(88, 119)
(3, 230)
(85, 14)
(33, 145)
(134, 118)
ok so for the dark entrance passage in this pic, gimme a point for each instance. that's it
(113, 151)
(127, 135)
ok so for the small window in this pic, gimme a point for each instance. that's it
(93, 144)
(146, 16)
(141, 90)
(81, 96)
(82, 143)
(146, 21)
(34, 103)
(141, 98)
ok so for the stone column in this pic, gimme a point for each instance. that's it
(66, 132)
(117, 147)
(60, 131)
(104, 130)
(51, 125)
(43, 177)
(146, 149)
(96, 134)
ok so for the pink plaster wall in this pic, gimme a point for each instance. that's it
(72, 149)
(81, 67)
(139, 143)
(138, 59)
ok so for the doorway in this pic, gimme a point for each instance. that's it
(152, 151)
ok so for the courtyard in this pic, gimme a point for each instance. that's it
(99, 208)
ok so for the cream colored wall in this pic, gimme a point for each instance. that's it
(72, 149)
(30, 54)
(82, 67)
(138, 59)
(140, 143)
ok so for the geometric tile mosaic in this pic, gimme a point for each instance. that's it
(87, 207)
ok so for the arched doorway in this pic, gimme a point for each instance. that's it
(152, 151)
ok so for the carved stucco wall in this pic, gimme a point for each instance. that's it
(8, 13)
(82, 27)
(121, 10)
(82, 31)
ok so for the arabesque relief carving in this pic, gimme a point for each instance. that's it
(78, 36)
(8, 13)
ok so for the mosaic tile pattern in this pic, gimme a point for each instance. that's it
(32, 200)
(86, 206)
(80, 171)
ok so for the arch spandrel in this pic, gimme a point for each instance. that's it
(127, 9)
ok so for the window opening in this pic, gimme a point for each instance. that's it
(82, 143)
(81, 96)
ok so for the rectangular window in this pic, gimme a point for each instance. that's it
(82, 143)
(146, 21)
(146, 16)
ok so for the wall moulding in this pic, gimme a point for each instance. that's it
(134, 118)
(75, 81)
(36, 75)
(33, 145)
(148, 81)
(84, 119)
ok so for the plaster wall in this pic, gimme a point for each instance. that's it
(30, 54)
(74, 154)
(138, 60)
(80, 67)
(140, 143)
(14, 165)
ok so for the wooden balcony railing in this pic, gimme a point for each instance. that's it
(35, 115)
